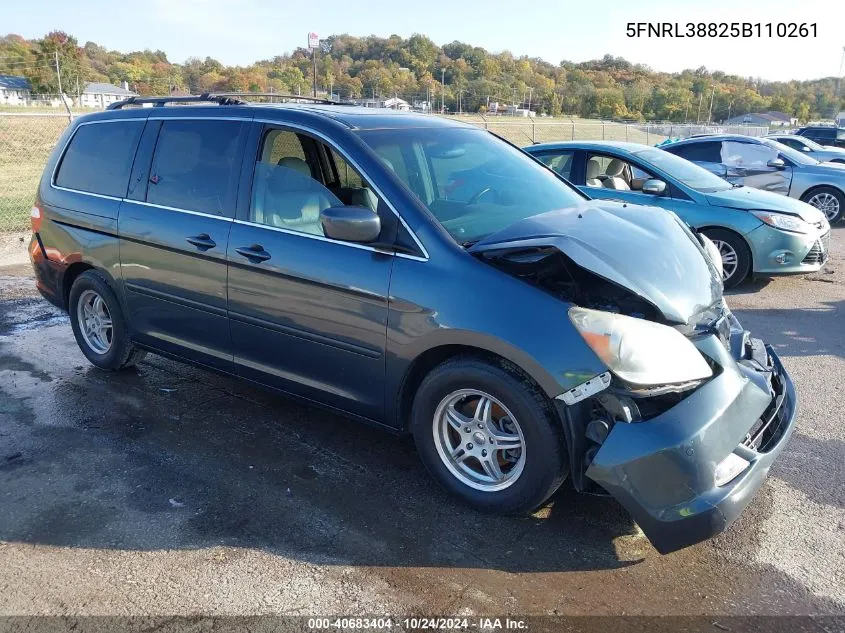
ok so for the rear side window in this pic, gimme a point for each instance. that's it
(194, 166)
(707, 152)
(99, 158)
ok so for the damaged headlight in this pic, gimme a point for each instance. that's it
(638, 351)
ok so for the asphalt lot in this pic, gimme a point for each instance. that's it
(169, 490)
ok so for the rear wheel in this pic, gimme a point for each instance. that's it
(736, 256)
(828, 200)
(489, 436)
(98, 323)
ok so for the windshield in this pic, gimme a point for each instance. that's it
(681, 169)
(473, 183)
(792, 154)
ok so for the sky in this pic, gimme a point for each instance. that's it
(242, 31)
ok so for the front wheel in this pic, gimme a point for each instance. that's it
(736, 256)
(828, 200)
(489, 436)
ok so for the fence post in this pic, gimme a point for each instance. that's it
(602, 131)
(533, 131)
(647, 141)
(626, 131)
(573, 130)
(671, 129)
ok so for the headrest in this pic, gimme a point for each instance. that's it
(593, 168)
(615, 168)
(297, 164)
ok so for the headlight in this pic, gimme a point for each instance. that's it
(783, 221)
(640, 352)
(715, 255)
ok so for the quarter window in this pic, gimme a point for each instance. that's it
(194, 166)
(99, 158)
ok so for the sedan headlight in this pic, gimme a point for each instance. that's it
(638, 351)
(784, 222)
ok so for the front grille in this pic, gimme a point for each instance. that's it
(818, 254)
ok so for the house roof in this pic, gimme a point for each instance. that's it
(106, 89)
(778, 116)
(13, 82)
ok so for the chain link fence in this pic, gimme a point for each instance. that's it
(26, 140)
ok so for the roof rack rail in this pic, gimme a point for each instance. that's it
(161, 101)
(221, 98)
(276, 95)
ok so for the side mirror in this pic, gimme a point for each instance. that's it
(654, 187)
(806, 149)
(777, 163)
(351, 224)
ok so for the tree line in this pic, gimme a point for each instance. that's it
(459, 76)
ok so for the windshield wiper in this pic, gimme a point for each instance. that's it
(470, 243)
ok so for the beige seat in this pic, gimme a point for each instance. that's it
(593, 172)
(290, 198)
(614, 178)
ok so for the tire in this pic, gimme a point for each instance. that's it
(828, 200)
(542, 454)
(736, 256)
(105, 347)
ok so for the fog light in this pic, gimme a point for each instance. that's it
(783, 258)
(729, 469)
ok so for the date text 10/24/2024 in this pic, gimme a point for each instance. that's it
(722, 29)
(456, 623)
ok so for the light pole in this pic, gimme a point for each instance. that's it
(442, 89)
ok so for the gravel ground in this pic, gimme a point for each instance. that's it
(169, 490)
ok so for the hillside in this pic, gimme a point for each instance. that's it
(412, 68)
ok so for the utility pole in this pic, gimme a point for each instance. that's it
(58, 72)
(442, 89)
(698, 116)
(530, 94)
(838, 81)
(710, 114)
(730, 105)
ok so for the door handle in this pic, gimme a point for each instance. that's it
(202, 241)
(254, 253)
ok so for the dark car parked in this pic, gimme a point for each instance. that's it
(824, 134)
(427, 277)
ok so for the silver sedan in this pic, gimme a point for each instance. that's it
(763, 163)
(822, 153)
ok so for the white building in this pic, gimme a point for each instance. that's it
(393, 103)
(14, 90)
(100, 95)
(840, 119)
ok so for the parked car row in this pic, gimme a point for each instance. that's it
(756, 231)
(425, 276)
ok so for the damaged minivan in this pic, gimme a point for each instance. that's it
(427, 277)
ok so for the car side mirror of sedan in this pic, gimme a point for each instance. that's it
(777, 163)
(351, 224)
(654, 187)
(806, 149)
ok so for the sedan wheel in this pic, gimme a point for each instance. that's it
(828, 202)
(729, 259)
(479, 440)
(736, 256)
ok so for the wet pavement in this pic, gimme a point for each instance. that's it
(170, 490)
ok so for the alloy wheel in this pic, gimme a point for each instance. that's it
(730, 259)
(479, 440)
(827, 203)
(95, 323)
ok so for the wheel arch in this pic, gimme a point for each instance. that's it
(426, 361)
(809, 192)
(74, 270)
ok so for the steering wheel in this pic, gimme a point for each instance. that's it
(476, 197)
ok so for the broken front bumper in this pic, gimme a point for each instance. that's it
(663, 470)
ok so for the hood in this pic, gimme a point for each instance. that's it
(644, 249)
(748, 199)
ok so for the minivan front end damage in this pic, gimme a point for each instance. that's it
(692, 411)
(685, 464)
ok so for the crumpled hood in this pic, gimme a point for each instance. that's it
(748, 198)
(644, 249)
